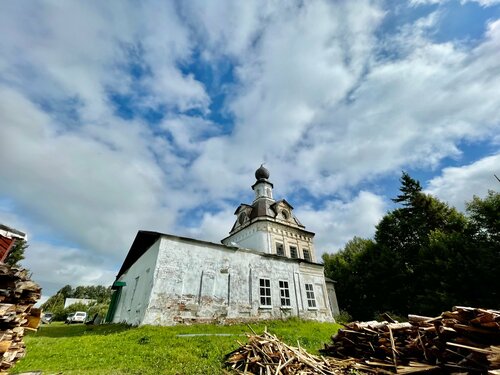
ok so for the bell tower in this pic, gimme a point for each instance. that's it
(270, 226)
(263, 188)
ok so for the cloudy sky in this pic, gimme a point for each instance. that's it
(117, 116)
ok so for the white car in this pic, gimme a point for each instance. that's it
(79, 317)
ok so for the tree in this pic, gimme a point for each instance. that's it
(101, 295)
(16, 254)
(410, 190)
(485, 216)
(425, 257)
(485, 232)
(403, 234)
(348, 267)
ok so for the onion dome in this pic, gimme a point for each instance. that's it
(262, 173)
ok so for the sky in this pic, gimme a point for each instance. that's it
(119, 116)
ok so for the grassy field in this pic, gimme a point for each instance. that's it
(119, 349)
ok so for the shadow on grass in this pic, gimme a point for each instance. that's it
(63, 330)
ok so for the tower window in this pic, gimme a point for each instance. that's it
(284, 294)
(279, 249)
(311, 301)
(284, 214)
(265, 292)
(293, 252)
(242, 217)
(307, 254)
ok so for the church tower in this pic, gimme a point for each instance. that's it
(270, 226)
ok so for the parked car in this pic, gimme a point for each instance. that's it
(47, 317)
(79, 317)
(69, 318)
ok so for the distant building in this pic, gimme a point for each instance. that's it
(265, 269)
(71, 301)
(8, 239)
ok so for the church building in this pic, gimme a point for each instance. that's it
(265, 269)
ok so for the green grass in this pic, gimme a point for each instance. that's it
(119, 349)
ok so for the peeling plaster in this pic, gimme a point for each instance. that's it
(198, 282)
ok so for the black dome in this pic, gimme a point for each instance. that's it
(262, 173)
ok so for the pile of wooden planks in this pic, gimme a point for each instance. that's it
(18, 294)
(464, 340)
(266, 354)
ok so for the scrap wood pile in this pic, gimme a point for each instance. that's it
(465, 340)
(266, 354)
(18, 294)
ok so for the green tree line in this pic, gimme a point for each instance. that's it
(99, 293)
(424, 258)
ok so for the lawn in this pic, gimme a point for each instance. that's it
(119, 349)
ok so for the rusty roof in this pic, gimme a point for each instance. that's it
(5, 245)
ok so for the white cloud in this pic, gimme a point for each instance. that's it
(409, 111)
(421, 2)
(213, 226)
(90, 191)
(338, 222)
(455, 185)
(307, 57)
(484, 3)
(319, 94)
(228, 28)
(81, 50)
(56, 266)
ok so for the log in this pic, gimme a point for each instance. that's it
(18, 294)
(463, 339)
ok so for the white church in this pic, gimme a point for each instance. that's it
(265, 269)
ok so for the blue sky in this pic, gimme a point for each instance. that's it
(122, 115)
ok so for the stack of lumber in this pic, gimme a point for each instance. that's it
(18, 294)
(464, 340)
(266, 354)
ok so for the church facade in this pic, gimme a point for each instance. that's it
(265, 269)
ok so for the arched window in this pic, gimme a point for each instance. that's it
(285, 215)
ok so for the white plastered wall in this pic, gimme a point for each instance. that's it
(252, 237)
(199, 282)
(139, 279)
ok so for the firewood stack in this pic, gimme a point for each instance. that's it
(266, 354)
(464, 340)
(18, 294)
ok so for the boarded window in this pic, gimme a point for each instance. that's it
(279, 249)
(293, 252)
(265, 292)
(307, 254)
(311, 301)
(284, 294)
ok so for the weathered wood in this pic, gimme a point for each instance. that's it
(280, 358)
(18, 294)
(414, 319)
(462, 339)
